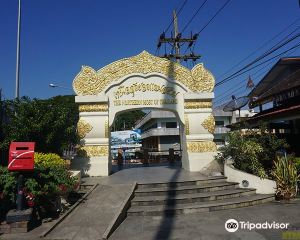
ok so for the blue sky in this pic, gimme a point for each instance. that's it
(59, 36)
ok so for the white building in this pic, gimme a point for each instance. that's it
(223, 119)
(159, 131)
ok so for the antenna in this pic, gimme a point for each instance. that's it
(236, 104)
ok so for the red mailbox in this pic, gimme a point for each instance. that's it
(21, 156)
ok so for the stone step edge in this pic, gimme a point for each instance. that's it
(191, 187)
(206, 206)
(182, 196)
(148, 185)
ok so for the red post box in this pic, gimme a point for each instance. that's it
(21, 156)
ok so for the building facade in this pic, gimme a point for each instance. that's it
(224, 119)
(159, 131)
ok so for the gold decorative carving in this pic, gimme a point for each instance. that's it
(93, 151)
(196, 104)
(187, 124)
(83, 128)
(205, 146)
(91, 82)
(106, 128)
(204, 79)
(209, 124)
(99, 107)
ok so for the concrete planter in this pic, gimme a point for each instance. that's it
(262, 186)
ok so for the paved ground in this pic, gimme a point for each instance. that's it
(151, 174)
(210, 226)
(90, 219)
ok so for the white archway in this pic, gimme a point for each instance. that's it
(144, 81)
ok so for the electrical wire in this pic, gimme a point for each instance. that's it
(242, 83)
(262, 46)
(211, 19)
(295, 47)
(220, 9)
(267, 53)
(192, 18)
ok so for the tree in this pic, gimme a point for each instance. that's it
(51, 123)
(127, 120)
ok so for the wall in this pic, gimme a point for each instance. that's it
(262, 186)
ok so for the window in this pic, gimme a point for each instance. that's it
(171, 124)
(220, 123)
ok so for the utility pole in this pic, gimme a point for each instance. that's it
(177, 41)
(1, 113)
(176, 34)
(17, 93)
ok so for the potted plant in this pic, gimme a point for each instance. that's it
(286, 177)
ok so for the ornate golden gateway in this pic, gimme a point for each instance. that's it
(93, 151)
(205, 146)
(83, 128)
(91, 82)
(209, 124)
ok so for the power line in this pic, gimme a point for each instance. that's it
(294, 47)
(239, 88)
(262, 46)
(222, 97)
(270, 51)
(242, 83)
(220, 9)
(192, 18)
(212, 18)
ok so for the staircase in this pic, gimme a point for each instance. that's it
(210, 194)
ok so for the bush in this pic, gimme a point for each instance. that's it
(244, 153)
(270, 143)
(286, 177)
(252, 151)
(48, 160)
(50, 178)
(7, 191)
(296, 161)
(7, 184)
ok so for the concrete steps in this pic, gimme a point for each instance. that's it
(191, 197)
(204, 195)
(167, 191)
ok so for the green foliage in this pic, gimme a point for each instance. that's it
(51, 123)
(296, 161)
(244, 153)
(50, 178)
(7, 184)
(270, 144)
(286, 177)
(48, 160)
(252, 151)
(128, 119)
(49, 182)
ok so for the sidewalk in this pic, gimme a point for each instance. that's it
(210, 226)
